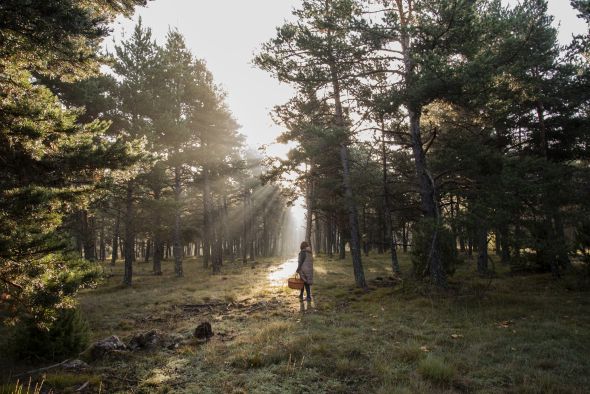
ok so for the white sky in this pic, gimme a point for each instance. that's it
(227, 33)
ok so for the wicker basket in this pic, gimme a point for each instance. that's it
(295, 283)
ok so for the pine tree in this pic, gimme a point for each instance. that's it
(50, 161)
(318, 53)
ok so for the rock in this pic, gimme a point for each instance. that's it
(154, 339)
(75, 365)
(147, 340)
(203, 331)
(105, 346)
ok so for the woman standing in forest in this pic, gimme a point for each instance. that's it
(305, 269)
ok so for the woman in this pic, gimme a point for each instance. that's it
(305, 269)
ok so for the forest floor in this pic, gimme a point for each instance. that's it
(515, 334)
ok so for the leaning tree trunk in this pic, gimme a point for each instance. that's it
(177, 229)
(129, 235)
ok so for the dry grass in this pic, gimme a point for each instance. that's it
(513, 334)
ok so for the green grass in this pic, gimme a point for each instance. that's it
(516, 334)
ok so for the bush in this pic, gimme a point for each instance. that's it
(65, 337)
(45, 286)
(422, 241)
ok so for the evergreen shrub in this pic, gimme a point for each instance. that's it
(67, 336)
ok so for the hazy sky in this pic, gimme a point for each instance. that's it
(227, 33)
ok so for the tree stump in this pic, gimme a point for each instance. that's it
(204, 331)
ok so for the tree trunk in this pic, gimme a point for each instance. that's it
(355, 246)
(389, 235)
(318, 233)
(497, 245)
(88, 227)
(217, 254)
(177, 228)
(245, 230)
(428, 201)
(330, 236)
(562, 256)
(482, 248)
(365, 238)
(405, 232)
(504, 245)
(102, 244)
(206, 218)
(148, 250)
(158, 243)
(342, 247)
(129, 235)
(309, 205)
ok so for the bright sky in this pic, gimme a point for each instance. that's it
(227, 33)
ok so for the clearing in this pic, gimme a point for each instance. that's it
(525, 334)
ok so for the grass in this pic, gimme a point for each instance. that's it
(520, 334)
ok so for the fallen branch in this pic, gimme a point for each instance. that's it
(35, 371)
(209, 306)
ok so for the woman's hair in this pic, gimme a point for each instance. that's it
(304, 245)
